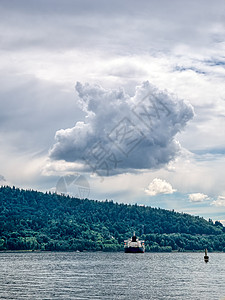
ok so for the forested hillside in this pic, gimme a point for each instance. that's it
(31, 220)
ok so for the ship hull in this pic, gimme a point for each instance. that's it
(134, 250)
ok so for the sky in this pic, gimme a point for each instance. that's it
(120, 100)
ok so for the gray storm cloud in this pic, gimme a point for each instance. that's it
(122, 133)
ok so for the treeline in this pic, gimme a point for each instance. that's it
(31, 220)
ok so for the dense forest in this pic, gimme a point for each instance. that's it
(31, 220)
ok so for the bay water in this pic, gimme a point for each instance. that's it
(100, 275)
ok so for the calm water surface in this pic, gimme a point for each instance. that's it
(111, 276)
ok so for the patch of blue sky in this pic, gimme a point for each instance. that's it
(207, 153)
(183, 69)
(215, 62)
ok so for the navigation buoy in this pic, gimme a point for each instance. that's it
(206, 257)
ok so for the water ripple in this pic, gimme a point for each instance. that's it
(111, 276)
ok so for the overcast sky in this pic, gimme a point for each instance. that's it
(123, 100)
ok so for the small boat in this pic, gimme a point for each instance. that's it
(134, 245)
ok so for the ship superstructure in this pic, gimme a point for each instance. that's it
(134, 245)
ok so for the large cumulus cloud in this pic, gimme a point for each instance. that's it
(122, 133)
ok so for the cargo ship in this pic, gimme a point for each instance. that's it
(134, 245)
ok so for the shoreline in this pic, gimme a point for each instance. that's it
(89, 251)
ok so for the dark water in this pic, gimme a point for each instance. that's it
(111, 276)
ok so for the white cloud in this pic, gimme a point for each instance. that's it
(197, 197)
(159, 186)
(220, 201)
(122, 133)
(60, 168)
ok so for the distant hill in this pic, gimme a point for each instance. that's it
(31, 220)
